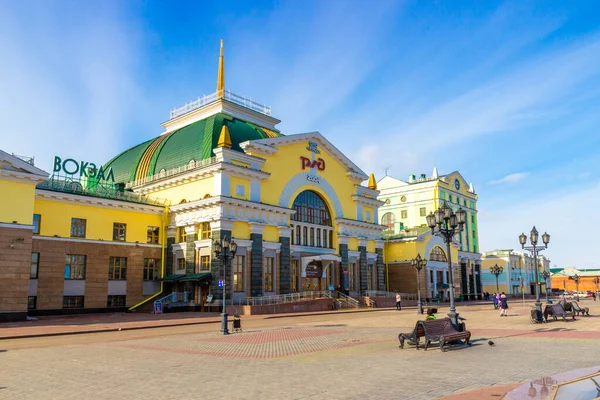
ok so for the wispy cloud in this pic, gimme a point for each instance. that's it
(511, 178)
(69, 88)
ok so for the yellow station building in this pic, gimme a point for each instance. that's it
(294, 204)
(406, 205)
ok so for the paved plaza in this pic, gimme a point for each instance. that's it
(325, 356)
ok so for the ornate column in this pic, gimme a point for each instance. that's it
(190, 259)
(343, 249)
(381, 284)
(256, 266)
(478, 281)
(219, 231)
(364, 269)
(284, 259)
(171, 233)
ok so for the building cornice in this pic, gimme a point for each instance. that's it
(16, 226)
(21, 177)
(223, 154)
(70, 198)
(367, 201)
(100, 241)
(220, 106)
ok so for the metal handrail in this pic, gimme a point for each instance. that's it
(352, 302)
(287, 298)
(190, 166)
(227, 95)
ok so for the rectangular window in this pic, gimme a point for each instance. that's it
(35, 265)
(304, 236)
(351, 272)
(238, 273)
(78, 227)
(292, 235)
(472, 219)
(181, 263)
(404, 214)
(74, 266)
(151, 266)
(31, 302)
(324, 238)
(153, 234)
(117, 268)
(312, 237)
(269, 267)
(422, 211)
(181, 235)
(119, 231)
(205, 230)
(116, 301)
(239, 190)
(318, 237)
(450, 198)
(72, 301)
(204, 263)
(401, 225)
(473, 234)
(37, 222)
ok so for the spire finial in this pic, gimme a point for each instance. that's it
(372, 184)
(221, 77)
(224, 138)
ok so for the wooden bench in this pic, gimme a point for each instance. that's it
(443, 332)
(413, 337)
(557, 310)
(579, 310)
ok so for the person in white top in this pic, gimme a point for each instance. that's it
(398, 302)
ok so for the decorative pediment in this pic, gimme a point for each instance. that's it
(17, 169)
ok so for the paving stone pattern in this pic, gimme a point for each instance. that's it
(343, 356)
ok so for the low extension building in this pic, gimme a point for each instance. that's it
(518, 272)
(563, 279)
(406, 206)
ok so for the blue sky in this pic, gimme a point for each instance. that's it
(506, 93)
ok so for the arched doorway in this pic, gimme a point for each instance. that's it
(312, 231)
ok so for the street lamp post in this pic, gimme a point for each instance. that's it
(576, 278)
(418, 263)
(545, 275)
(448, 224)
(224, 251)
(496, 270)
(534, 249)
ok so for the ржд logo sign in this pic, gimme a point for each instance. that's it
(307, 163)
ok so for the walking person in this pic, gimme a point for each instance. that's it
(503, 305)
(495, 300)
(398, 302)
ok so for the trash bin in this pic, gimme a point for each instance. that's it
(237, 323)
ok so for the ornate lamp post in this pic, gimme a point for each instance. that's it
(448, 224)
(545, 275)
(576, 278)
(534, 249)
(496, 270)
(418, 263)
(225, 252)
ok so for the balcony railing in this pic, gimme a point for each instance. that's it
(227, 95)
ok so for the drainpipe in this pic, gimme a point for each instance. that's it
(162, 264)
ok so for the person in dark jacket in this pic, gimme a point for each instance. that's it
(503, 305)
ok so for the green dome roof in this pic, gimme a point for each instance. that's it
(192, 142)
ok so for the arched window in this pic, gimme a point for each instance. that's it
(437, 254)
(311, 208)
(388, 220)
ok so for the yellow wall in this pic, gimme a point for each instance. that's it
(406, 251)
(371, 246)
(16, 203)
(271, 234)
(353, 244)
(240, 230)
(56, 220)
(286, 163)
(188, 191)
(234, 181)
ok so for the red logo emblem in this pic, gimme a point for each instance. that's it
(307, 163)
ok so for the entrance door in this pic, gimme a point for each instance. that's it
(312, 284)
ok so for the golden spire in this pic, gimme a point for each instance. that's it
(372, 184)
(224, 138)
(221, 77)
